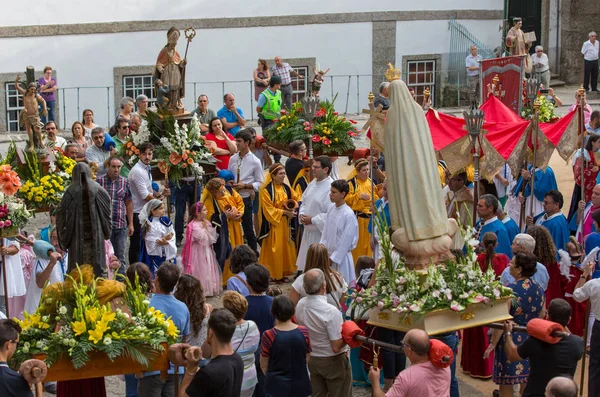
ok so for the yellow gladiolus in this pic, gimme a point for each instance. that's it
(172, 329)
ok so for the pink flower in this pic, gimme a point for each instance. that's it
(283, 111)
(316, 138)
(496, 293)
(1, 224)
(326, 141)
(486, 300)
(455, 306)
(351, 133)
(359, 299)
(373, 293)
(306, 128)
(335, 113)
(380, 304)
(414, 307)
(352, 121)
(306, 124)
(479, 298)
(7, 223)
(396, 302)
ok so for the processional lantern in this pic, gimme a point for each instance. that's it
(474, 120)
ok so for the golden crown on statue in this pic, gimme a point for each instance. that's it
(392, 73)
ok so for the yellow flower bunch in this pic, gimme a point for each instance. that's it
(45, 190)
(66, 164)
(32, 321)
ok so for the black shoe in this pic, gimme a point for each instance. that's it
(496, 393)
(178, 242)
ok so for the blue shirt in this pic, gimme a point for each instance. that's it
(234, 284)
(179, 313)
(259, 311)
(496, 226)
(541, 276)
(230, 117)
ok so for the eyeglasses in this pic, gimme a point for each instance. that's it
(202, 100)
(124, 127)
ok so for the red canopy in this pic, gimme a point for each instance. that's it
(503, 138)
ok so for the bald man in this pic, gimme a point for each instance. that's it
(561, 386)
(409, 383)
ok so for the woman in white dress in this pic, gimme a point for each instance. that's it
(15, 282)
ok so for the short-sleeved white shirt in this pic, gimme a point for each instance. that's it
(324, 323)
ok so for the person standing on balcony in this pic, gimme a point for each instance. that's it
(515, 41)
(590, 51)
(285, 71)
(48, 88)
(540, 65)
(231, 117)
(472, 62)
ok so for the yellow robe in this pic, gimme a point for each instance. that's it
(278, 251)
(363, 246)
(234, 227)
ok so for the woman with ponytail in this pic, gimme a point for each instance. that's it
(489, 257)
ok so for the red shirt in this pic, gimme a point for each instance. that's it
(499, 263)
(222, 159)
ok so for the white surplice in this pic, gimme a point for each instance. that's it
(340, 236)
(315, 203)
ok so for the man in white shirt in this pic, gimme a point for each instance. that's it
(340, 233)
(590, 51)
(541, 66)
(329, 365)
(314, 207)
(472, 63)
(53, 140)
(140, 184)
(249, 176)
(584, 291)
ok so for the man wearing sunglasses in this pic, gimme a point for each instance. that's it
(203, 113)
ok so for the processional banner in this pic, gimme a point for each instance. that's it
(510, 76)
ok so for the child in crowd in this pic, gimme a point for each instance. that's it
(365, 266)
(571, 271)
(198, 258)
(158, 236)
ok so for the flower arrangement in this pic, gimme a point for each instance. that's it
(41, 189)
(75, 318)
(453, 285)
(13, 213)
(130, 149)
(329, 132)
(546, 111)
(181, 151)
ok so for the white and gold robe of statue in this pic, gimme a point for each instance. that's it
(315, 203)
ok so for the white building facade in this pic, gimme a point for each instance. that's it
(105, 50)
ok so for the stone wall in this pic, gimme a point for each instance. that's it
(578, 18)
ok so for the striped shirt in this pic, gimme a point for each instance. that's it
(245, 342)
(269, 337)
(283, 72)
(119, 193)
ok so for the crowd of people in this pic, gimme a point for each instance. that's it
(258, 224)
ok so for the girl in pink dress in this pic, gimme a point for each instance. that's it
(198, 256)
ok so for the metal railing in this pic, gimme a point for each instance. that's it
(351, 90)
(461, 40)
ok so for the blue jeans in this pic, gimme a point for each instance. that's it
(50, 107)
(451, 339)
(131, 384)
(183, 195)
(118, 239)
(393, 363)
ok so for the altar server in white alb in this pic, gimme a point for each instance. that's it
(314, 207)
(51, 266)
(15, 280)
(340, 234)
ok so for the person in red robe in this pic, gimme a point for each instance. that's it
(476, 340)
(570, 268)
(545, 251)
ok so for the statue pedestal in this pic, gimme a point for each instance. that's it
(44, 161)
(443, 320)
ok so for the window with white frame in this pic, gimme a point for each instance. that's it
(136, 85)
(421, 75)
(14, 104)
(299, 85)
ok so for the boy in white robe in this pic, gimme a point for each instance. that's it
(340, 234)
(314, 207)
